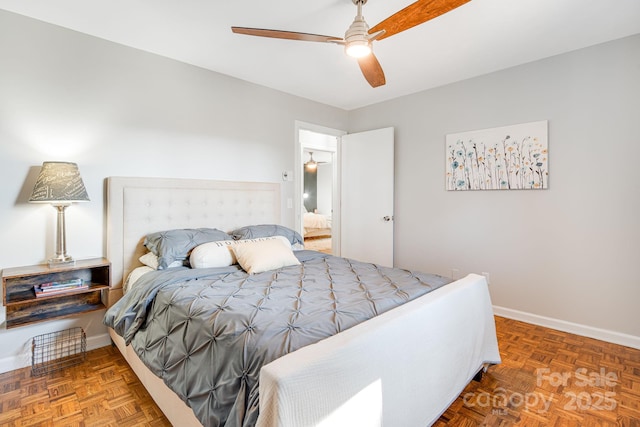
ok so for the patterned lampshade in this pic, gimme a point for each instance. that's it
(59, 182)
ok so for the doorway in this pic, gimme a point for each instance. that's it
(317, 197)
(362, 181)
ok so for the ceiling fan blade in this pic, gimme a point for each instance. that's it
(372, 70)
(415, 14)
(289, 35)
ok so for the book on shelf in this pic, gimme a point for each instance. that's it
(61, 284)
(56, 288)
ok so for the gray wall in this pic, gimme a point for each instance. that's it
(118, 111)
(570, 252)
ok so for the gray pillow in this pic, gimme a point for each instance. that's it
(175, 245)
(267, 230)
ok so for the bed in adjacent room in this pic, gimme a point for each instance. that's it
(316, 225)
(225, 323)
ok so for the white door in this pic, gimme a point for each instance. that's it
(367, 179)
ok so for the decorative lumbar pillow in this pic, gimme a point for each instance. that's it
(267, 230)
(220, 254)
(175, 245)
(264, 255)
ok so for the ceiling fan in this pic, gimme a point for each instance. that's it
(312, 164)
(358, 37)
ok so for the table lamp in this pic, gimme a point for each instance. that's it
(60, 184)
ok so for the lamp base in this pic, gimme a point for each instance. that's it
(61, 260)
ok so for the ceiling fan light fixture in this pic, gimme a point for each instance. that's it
(358, 48)
(356, 39)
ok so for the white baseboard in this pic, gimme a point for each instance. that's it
(24, 360)
(98, 341)
(573, 328)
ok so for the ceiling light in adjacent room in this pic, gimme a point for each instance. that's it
(311, 164)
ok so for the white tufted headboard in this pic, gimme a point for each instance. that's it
(138, 206)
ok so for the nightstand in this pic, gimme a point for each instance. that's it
(22, 306)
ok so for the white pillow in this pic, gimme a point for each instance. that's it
(134, 276)
(264, 255)
(219, 254)
(151, 260)
(212, 254)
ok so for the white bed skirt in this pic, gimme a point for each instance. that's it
(402, 368)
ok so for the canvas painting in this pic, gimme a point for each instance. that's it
(504, 158)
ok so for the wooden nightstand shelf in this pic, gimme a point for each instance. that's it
(23, 308)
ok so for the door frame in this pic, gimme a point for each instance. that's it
(298, 175)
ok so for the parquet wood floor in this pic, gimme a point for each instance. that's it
(102, 391)
(551, 378)
(320, 244)
(547, 378)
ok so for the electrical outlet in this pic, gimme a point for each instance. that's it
(455, 274)
(487, 276)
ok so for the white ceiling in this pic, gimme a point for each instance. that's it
(477, 38)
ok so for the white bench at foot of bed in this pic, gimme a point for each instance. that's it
(402, 368)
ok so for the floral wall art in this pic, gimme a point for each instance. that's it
(504, 158)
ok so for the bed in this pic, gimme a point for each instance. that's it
(316, 225)
(419, 355)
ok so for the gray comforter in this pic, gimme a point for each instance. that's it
(207, 332)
